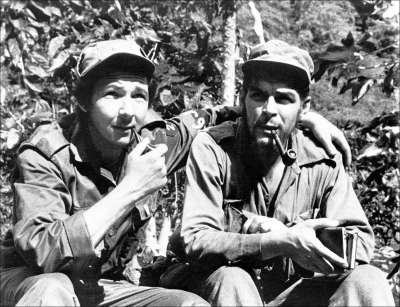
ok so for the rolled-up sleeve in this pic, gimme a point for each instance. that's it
(46, 234)
(340, 202)
(203, 216)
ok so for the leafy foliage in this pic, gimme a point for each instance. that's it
(376, 174)
(354, 45)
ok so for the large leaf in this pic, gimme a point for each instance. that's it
(14, 50)
(32, 32)
(38, 58)
(55, 45)
(145, 35)
(42, 113)
(53, 10)
(9, 123)
(18, 6)
(34, 87)
(18, 24)
(37, 71)
(166, 97)
(370, 151)
(391, 179)
(42, 106)
(359, 87)
(59, 61)
(13, 138)
(41, 13)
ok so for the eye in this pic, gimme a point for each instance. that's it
(283, 98)
(256, 95)
(139, 96)
(111, 94)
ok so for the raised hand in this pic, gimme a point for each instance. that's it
(144, 173)
(307, 251)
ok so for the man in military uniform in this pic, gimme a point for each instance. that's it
(81, 187)
(249, 207)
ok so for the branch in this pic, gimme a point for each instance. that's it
(258, 27)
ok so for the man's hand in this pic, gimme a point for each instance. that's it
(144, 173)
(328, 135)
(307, 251)
(263, 224)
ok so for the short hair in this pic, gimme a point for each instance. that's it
(275, 73)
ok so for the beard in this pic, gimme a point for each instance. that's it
(264, 145)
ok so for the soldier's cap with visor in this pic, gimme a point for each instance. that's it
(122, 55)
(282, 56)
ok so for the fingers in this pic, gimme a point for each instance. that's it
(340, 140)
(326, 141)
(159, 150)
(322, 223)
(140, 148)
(326, 253)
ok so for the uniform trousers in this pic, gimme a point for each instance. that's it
(234, 286)
(21, 287)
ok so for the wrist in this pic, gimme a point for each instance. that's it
(287, 246)
(127, 192)
(275, 243)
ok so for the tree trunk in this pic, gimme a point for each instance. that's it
(229, 41)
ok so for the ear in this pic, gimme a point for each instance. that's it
(306, 105)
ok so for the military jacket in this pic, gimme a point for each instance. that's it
(221, 171)
(58, 176)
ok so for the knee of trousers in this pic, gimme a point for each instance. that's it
(49, 288)
(185, 298)
(367, 280)
(233, 279)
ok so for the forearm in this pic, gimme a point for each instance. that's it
(112, 208)
(210, 246)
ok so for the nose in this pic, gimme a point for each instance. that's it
(127, 109)
(269, 107)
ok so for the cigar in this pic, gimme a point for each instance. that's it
(288, 156)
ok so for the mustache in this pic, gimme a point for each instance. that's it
(264, 122)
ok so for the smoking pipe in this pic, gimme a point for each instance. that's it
(288, 156)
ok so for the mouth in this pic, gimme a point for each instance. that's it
(124, 128)
(268, 128)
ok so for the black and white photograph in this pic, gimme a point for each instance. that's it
(199, 153)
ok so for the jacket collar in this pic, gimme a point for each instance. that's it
(308, 150)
